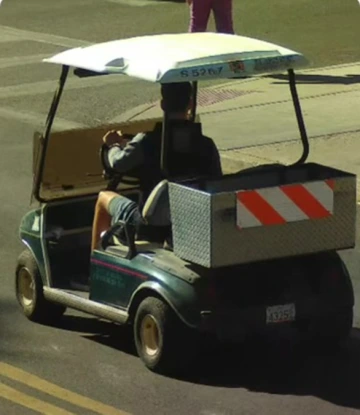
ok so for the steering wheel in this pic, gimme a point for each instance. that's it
(111, 174)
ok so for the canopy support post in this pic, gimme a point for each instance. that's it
(165, 145)
(194, 101)
(299, 117)
(48, 126)
(165, 130)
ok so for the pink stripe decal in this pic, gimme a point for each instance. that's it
(117, 268)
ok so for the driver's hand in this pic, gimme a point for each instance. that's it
(113, 137)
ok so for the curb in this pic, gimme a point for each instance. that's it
(231, 165)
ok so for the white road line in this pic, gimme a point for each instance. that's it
(41, 37)
(44, 87)
(5, 38)
(38, 120)
(21, 60)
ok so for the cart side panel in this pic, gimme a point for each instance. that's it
(190, 219)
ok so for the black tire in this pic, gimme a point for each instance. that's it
(175, 345)
(31, 299)
(332, 331)
(328, 332)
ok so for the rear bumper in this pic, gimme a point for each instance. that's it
(236, 323)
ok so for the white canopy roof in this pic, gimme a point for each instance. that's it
(182, 57)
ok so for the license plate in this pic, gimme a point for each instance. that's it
(280, 313)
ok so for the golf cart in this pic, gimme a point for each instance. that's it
(251, 250)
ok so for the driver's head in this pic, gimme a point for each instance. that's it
(176, 97)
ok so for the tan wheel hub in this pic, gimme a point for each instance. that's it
(26, 287)
(149, 333)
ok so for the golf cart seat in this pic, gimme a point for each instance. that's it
(140, 246)
(156, 212)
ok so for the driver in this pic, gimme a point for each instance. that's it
(143, 153)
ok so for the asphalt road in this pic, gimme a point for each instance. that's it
(84, 364)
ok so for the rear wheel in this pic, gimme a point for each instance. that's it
(29, 292)
(331, 331)
(335, 292)
(162, 340)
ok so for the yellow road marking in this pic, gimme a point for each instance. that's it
(37, 405)
(42, 385)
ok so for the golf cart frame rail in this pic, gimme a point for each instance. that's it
(164, 145)
(48, 127)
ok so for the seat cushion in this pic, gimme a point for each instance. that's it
(156, 210)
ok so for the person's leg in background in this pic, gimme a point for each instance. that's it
(199, 14)
(223, 16)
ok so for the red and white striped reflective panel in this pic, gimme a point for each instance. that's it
(283, 204)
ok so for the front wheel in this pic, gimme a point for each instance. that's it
(29, 292)
(162, 340)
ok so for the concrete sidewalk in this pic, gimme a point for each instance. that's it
(252, 121)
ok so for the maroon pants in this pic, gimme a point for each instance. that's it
(200, 12)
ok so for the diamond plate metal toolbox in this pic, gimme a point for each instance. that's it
(263, 213)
